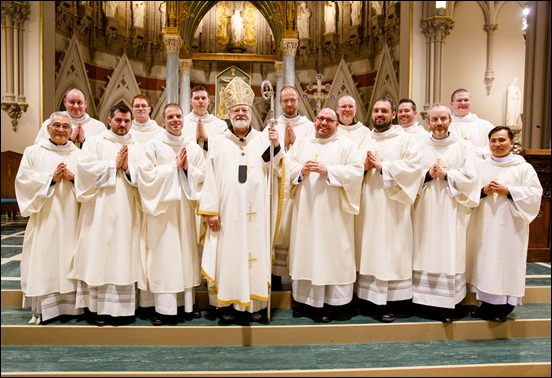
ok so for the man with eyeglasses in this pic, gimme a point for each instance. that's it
(235, 203)
(325, 171)
(346, 110)
(393, 173)
(143, 127)
(83, 125)
(107, 257)
(291, 126)
(199, 124)
(44, 187)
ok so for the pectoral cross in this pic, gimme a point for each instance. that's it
(251, 260)
(315, 157)
(376, 155)
(438, 160)
(250, 213)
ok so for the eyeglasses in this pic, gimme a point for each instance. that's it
(289, 100)
(140, 106)
(61, 126)
(328, 120)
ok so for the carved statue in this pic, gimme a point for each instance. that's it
(356, 12)
(237, 28)
(249, 15)
(303, 20)
(329, 17)
(139, 13)
(223, 18)
(513, 105)
(110, 8)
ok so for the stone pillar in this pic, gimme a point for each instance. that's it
(279, 68)
(185, 69)
(435, 29)
(289, 49)
(172, 46)
(14, 16)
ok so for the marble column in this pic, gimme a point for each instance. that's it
(289, 49)
(279, 68)
(185, 69)
(172, 46)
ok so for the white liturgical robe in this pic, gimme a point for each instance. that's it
(386, 204)
(237, 260)
(356, 132)
(51, 231)
(110, 242)
(169, 199)
(143, 132)
(417, 131)
(439, 220)
(473, 129)
(211, 124)
(498, 231)
(322, 241)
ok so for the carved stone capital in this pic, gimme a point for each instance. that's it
(173, 43)
(490, 28)
(185, 65)
(436, 28)
(15, 13)
(289, 46)
(14, 110)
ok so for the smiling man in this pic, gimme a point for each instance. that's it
(325, 170)
(346, 110)
(450, 188)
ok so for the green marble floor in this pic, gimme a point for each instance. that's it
(262, 358)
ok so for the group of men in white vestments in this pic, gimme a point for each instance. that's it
(136, 214)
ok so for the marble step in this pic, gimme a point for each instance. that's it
(529, 320)
(517, 357)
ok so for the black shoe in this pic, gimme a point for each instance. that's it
(228, 318)
(156, 320)
(297, 313)
(100, 320)
(326, 317)
(192, 315)
(256, 316)
(500, 319)
(446, 317)
(388, 317)
(476, 313)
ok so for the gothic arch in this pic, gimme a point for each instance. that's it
(272, 11)
(386, 80)
(343, 84)
(122, 86)
(72, 74)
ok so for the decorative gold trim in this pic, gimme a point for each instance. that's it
(233, 57)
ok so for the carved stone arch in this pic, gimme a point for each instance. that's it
(343, 84)
(72, 74)
(386, 80)
(193, 12)
(122, 86)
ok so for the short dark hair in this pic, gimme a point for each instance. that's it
(498, 128)
(198, 88)
(459, 90)
(389, 100)
(171, 105)
(121, 107)
(407, 100)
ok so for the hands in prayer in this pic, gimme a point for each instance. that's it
(182, 159)
(372, 161)
(314, 166)
(201, 135)
(78, 134)
(62, 172)
(289, 135)
(122, 158)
